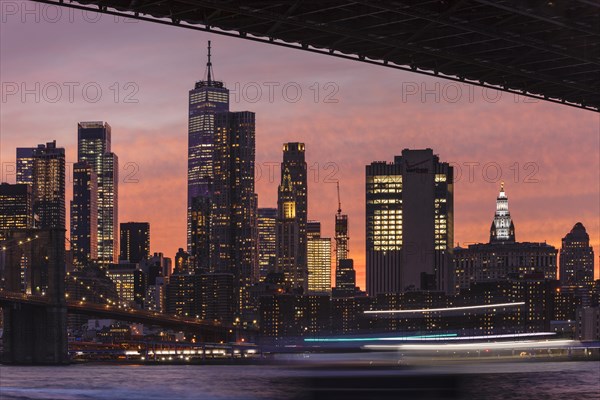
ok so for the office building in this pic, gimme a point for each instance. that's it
(318, 259)
(130, 282)
(25, 165)
(234, 230)
(207, 98)
(84, 214)
(200, 220)
(577, 258)
(409, 223)
(267, 243)
(16, 207)
(292, 205)
(502, 257)
(135, 242)
(503, 227)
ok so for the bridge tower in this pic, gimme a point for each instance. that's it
(35, 333)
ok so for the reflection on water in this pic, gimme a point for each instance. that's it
(500, 380)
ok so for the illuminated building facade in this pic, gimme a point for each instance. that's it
(44, 168)
(577, 258)
(267, 243)
(94, 148)
(130, 282)
(503, 257)
(16, 207)
(345, 279)
(25, 165)
(217, 300)
(233, 223)
(485, 262)
(182, 294)
(292, 315)
(207, 98)
(84, 214)
(292, 205)
(135, 242)
(341, 238)
(318, 259)
(200, 217)
(409, 223)
(503, 227)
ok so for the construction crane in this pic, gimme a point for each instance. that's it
(339, 200)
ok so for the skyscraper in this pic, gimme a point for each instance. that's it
(16, 207)
(25, 165)
(135, 242)
(267, 243)
(48, 185)
(292, 206)
(200, 219)
(409, 223)
(577, 258)
(94, 148)
(84, 214)
(234, 231)
(503, 257)
(207, 98)
(341, 248)
(318, 259)
(503, 227)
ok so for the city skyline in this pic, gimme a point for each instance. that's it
(562, 190)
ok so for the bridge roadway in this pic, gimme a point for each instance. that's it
(127, 314)
(548, 50)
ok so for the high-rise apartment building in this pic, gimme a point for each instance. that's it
(94, 148)
(48, 185)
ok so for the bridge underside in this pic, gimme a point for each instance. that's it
(34, 334)
(544, 49)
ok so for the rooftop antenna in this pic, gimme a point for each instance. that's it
(209, 66)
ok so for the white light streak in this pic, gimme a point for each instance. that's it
(482, 337)
(423, 310)
(477, 346)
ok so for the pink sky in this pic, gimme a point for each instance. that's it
(372, 120)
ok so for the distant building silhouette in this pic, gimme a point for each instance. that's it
(135, 242)
(577, 258)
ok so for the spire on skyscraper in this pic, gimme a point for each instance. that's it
(209, 67)
(503, 228)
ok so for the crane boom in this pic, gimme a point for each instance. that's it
(339, 201)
